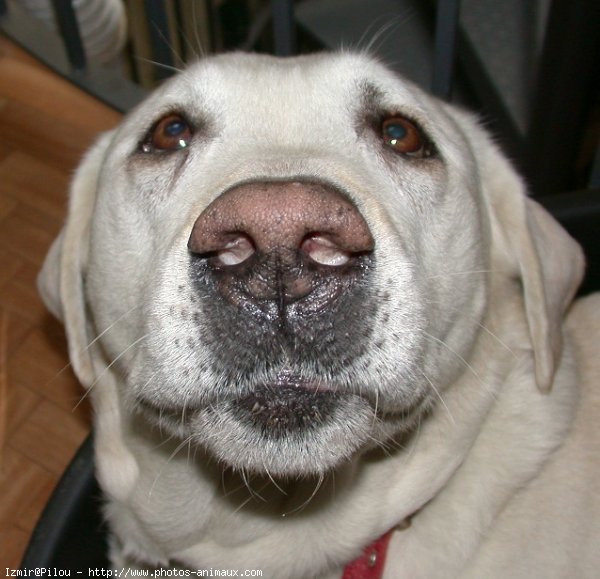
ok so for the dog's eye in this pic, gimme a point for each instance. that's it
(404, 136)
(171, 133)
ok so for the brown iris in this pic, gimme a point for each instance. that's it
(171, 133)
(403, 136)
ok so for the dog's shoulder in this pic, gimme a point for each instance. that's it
(583, 322)
(583, 331)
(554, 517)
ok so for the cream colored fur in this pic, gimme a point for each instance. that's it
(499, 479)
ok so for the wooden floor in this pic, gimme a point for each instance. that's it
(45, 125)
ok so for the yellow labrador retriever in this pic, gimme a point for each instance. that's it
(326, 334)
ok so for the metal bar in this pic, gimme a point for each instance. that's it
(563, 99)
(158, 29)
(445, 47)
(595, 172)
(284, 30)
(68, 27)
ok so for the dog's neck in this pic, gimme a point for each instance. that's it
(359, 503)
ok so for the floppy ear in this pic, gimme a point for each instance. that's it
(540, 252)
(60, 281)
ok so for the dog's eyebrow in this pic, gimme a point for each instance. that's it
(368, 104)
(370, 98)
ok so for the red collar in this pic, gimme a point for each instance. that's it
(372, 561)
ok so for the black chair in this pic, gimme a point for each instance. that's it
(71, 534)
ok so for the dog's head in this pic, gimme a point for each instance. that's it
(285, 261)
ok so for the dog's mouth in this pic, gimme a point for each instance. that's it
(286, 406)
(276, 409)
(290, 426)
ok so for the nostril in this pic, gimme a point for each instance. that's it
(324, 251)
(236, 251)
(287, 223)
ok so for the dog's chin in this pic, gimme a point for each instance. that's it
(285, 431)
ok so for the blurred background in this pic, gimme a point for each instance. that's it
(530, 67)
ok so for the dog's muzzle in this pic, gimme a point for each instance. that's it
(282, 270)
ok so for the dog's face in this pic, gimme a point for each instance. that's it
(289, 257)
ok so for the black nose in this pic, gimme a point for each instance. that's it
(281, 242)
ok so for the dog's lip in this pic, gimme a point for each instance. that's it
(286, 379)
(283, 382)
(288, 405)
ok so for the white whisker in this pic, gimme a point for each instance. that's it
(441, 399)
(181, 445)
(455, 353)
(110, 327)
(105, 370)
(503, 344)
(253, 495)
(98, 337)
(273, 481)
(385, 446)
(199, 52)
(483, 382)
(376, 407)
(161, 65)
(249, 487)
(372, 46)
(455, 273)
(309, 499)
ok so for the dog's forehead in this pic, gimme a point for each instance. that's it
(240, 79)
